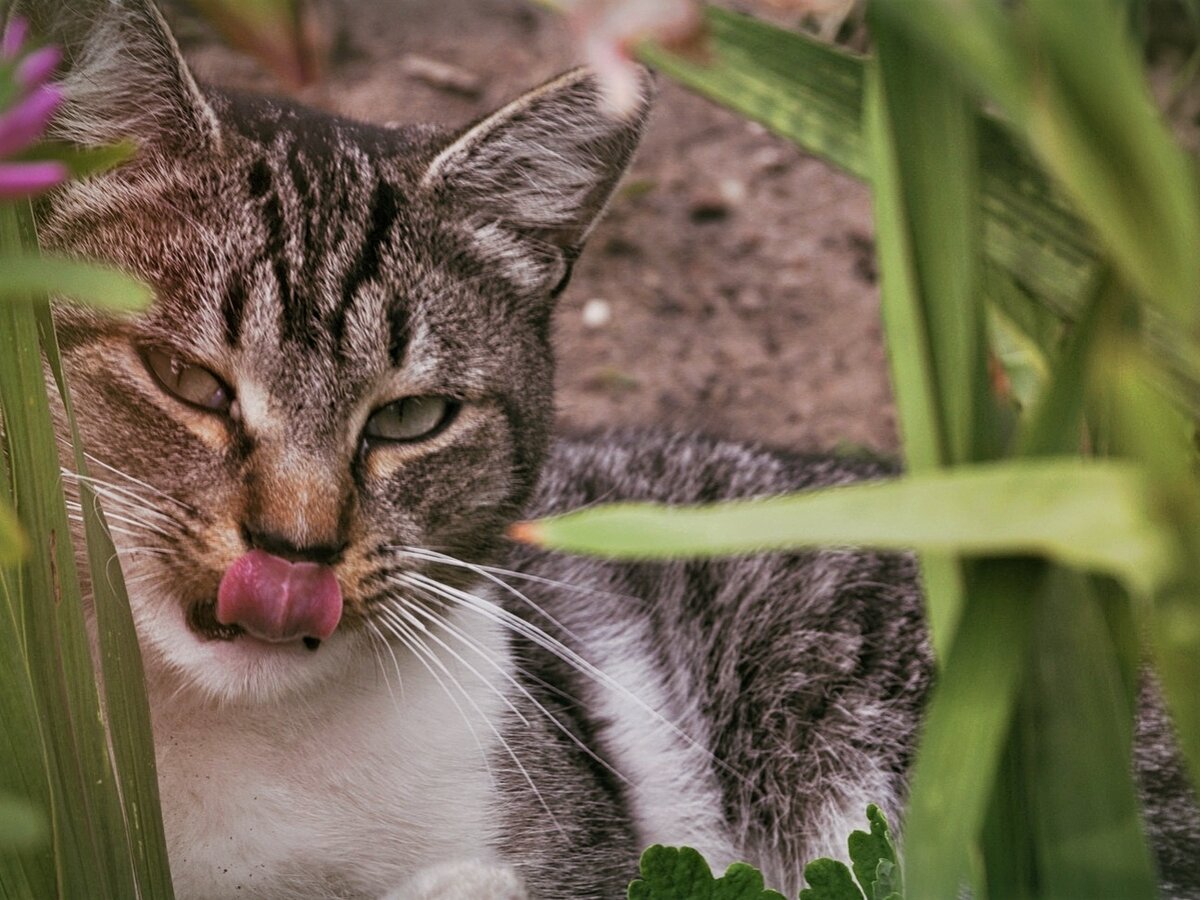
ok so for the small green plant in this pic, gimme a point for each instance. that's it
(681, 873)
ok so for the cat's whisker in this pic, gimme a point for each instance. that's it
(116, 529)
(112, 516)
(424, 655)
(389, 614)
(520, 688)
(434, 556)
(115, 493)
(531, 632)
(185, 506)
(397, 605)
(377, 640)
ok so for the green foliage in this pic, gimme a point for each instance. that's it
(876, 868)
(874, 857)
(680, 873)
(1091, 514)
(106, 838)
(27, 277)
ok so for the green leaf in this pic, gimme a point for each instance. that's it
(813, 94)
(1084, 108)
(887, 881)
(680, 873)
(1096, 515)
(13, 545)
(22, 826)
(966, 726)
(84, 162)
(872, 852)
(829, 879)
(1085, 815)
(28, 276)
(64, 755)
(126, 703)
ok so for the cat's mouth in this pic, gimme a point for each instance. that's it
(202, 620)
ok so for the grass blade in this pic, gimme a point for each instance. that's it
(966, 726)
(126, 705)
(1086, 822)
(31, 276)
(1096, 515)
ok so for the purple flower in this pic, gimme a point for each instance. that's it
(24, 179)
(33, 101)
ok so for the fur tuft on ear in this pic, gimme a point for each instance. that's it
(545, 166)
(123, 74)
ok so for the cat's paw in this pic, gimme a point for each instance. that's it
(467, 880)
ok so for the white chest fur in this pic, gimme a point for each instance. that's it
(341, 792)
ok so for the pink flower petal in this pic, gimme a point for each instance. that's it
(36, 68)
(24, 124)
(26, 179)
(610, 30)
(14, 38)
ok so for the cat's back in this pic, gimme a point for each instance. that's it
(752, 706)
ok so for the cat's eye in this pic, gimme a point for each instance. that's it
(185, 381)
(410, 419)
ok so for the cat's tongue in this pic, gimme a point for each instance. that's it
(276, 600)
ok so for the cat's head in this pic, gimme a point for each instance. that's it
(349, 351)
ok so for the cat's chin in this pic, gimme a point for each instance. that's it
(235, 668)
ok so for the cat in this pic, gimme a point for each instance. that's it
(343, 392)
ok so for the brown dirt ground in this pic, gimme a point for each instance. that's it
(738, 272)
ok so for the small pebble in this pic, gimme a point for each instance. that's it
(441, 75)
(596, 313)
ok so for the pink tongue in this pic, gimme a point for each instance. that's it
(276, 600)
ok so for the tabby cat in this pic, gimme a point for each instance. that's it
(310, 448)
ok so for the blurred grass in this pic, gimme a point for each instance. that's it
(105, 835)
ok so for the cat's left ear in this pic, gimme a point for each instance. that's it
(122, 74)
(541, 170)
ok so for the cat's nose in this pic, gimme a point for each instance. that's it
(285, 548)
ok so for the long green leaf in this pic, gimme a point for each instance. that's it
(126, 704)
(13, 545)
(1093, 515)
(813, 95)
(1084, 108)
(966, 726)
(84, 807)
(31, 276)
(1087, 822)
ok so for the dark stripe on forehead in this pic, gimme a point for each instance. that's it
(295, 312)
(233, 306)
(381, 219)
(398, 334)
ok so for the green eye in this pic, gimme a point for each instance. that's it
(410, 419)
(192, 384)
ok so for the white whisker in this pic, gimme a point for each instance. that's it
(531, 632)
(389, 615)
(471, 644)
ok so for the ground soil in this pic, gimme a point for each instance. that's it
(737, 273)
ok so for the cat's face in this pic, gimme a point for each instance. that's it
(347, 362)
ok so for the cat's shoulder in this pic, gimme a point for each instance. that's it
(655, 464)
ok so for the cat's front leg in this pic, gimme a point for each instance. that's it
(465, 880)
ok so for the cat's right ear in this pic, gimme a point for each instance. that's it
(122, 74)
(532, 178)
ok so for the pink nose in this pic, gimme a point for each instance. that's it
(276, 600)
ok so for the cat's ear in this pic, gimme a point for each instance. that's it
(544, 167)
(122, 73)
